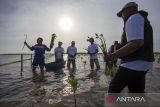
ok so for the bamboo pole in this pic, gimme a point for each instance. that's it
(21, 62)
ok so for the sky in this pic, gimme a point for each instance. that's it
(41, 18)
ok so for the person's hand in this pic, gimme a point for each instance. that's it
(53, 35)
(71, 56)
(108, 57)
(25, 43)
(51, 46)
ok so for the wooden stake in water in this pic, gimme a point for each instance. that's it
(21, 62)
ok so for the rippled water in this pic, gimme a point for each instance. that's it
(23, 89)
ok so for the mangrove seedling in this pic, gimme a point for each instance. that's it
(52, 40)
(73, 82)
(108, 70)
(84, 62)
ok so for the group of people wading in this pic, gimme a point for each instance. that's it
(135, 51)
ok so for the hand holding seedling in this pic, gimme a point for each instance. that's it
(52, 40)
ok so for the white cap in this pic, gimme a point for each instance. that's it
(130, 4)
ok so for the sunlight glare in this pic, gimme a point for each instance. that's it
(66, 23)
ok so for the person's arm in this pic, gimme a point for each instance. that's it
(28, 46)
(55, 52)
(75, 53)
(67, 50)
(129, 48)
(47, 49)
(62, 52)
(88, 50)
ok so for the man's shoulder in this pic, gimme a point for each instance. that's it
(44, 45)
(136, 16)
(69, 47)
(56, 48)
(95, 45)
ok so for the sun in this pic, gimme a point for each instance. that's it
(66, 23)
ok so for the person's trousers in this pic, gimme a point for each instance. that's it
(71, 61)
(92, 61)
(135, 80)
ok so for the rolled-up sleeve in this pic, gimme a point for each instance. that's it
(135, 28)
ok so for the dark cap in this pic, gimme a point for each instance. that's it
(91, 39)
(130, 4)
(60, 42)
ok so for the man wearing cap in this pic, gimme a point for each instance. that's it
(92, 51)
(71, 51)
(136, 52)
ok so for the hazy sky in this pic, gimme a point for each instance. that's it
(41, 18)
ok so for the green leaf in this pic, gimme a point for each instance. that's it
(73, 82)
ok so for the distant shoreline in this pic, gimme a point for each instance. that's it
(50, 53)
(33, 53)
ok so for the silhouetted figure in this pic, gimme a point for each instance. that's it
(136, 52)
(59, 51)
(93, 51)
(39, 50)
(113, 49)
(72, 52)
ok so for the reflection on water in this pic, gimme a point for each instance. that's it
(51, 89)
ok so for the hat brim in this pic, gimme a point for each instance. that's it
(119, 14)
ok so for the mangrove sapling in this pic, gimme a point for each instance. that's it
(84, 63)
(108, 70)
(73, 82)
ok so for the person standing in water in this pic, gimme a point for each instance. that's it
(39, 50)
(136, 52)
(93, 51)
(71, 51)
(59, 51)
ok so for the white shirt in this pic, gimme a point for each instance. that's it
(135, 30)
(92, 49)
(59, 53)
(109, 50)
(71, 51)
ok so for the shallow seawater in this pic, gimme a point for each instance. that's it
(23, 89)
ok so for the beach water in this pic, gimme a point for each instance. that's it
(23, 89)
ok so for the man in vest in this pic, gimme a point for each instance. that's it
(136, 51)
